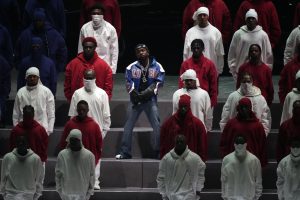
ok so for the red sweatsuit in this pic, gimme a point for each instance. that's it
(37, 138)
(75, 70)
(191, 127)
(91, 135)
(206, 73)
(288, 129)
(287, 78)
(262, 78)
(252, 130)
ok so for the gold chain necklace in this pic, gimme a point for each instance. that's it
(144, 72)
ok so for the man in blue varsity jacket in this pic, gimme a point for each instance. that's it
(143, 78)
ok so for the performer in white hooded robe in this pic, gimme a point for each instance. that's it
(249, 34)
(105, 35)
(291, 43)
(241, 174)
(200, 101)
(39, 97)
(181, 173)
(75, 170)
(288, 173)
(291, 97)
(211, 37)
(259, 104)
(96, 98)
(22, 173)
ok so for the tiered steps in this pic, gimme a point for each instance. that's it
(140, 172)
(136, 178)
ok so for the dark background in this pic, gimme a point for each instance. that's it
(157, 23)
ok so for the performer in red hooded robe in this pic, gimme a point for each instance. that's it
(246, 124)
(260, 72)
(33, 131)
(91, 135)
(185, 123)
(91, 132)
(288, 130)
(287, 75)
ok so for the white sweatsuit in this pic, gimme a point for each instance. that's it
(21, 176)
(287, 110)
(179, 177)
(239, 48)
(75, 173)
(241, 180)
(259, 107)
(213, 44)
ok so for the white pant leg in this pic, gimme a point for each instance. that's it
(97, 172)
(103, 133)
(19, 196)
(9, 196)
(44, 165)
(73, 197)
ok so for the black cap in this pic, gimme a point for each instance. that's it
(141, 46)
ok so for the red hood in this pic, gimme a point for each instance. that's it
(252, 118)
(34, 124)
(87, 119)
(186, 119)
(92, 60)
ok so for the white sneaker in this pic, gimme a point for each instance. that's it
(96, 187)
(119, 156)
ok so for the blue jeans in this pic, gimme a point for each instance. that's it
(133, 113)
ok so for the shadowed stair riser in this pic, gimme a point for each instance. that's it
(141, 143)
